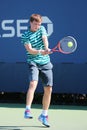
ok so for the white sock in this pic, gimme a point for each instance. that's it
(28, 107)
(45, 112)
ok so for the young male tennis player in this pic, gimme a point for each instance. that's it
(36, 43)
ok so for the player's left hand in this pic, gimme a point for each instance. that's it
(48, 51)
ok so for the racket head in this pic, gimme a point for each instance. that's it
(67, 45)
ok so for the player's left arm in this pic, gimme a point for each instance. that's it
(46, 44)
(45, 41)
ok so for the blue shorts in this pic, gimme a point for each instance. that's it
(42, 71)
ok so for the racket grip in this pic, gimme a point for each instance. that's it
(51, 50)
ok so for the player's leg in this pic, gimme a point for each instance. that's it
(30, 92)
(47, 97)
(47, 79)
(33, 76)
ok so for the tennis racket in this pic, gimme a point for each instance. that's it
(66, 45)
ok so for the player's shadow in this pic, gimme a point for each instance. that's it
(19, 127)
(38, 126)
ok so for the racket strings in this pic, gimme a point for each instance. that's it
(63, 45)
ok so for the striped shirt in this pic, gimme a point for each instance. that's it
(35, 39)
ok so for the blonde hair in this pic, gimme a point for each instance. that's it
(36, 17)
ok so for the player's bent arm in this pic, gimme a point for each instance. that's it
(45, 41)
(33, 50)
(46, 44)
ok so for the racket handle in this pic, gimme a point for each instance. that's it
(51, 50)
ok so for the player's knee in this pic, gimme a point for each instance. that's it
(33, 85)
(48, 90)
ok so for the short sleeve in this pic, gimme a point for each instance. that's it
(24, 39)
(43, 30)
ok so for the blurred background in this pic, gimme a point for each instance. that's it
(61, 18)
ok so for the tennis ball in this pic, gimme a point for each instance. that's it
(70, 44)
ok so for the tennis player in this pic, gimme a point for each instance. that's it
(36, 43)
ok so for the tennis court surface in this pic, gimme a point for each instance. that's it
(61, 117)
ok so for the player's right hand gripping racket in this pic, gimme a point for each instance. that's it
(66, 45)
